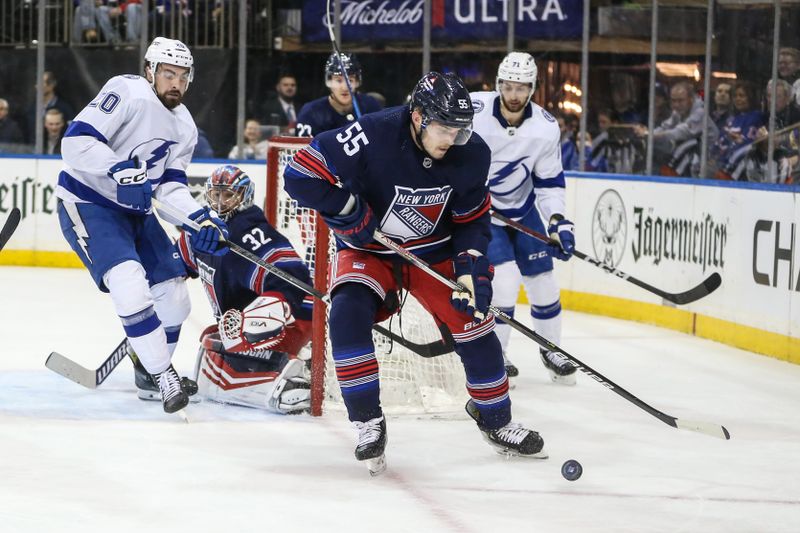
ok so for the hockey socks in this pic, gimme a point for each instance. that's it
(487, 382)
(352, 314)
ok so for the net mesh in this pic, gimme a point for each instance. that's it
(410, 384)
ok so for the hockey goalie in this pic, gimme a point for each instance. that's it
(250, 357)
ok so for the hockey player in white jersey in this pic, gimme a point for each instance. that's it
(131, 143)
(526, 182)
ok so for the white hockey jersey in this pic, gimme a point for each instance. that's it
(526, 160)
(126, 119)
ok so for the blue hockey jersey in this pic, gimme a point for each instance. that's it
(436, 208)
(232, 282)
(318, 115)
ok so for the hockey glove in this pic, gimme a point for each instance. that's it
(133, 187)
(562, 237)
(261, 326)
(212, 231)
(356, 227)
(474, 273)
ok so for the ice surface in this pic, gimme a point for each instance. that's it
(73, 459)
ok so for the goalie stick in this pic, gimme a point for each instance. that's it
(708, 286)
(714, 430)
(431, 349)
(91, 379)
(10, 226)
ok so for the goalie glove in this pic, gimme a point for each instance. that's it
(474, 272)
(133, 187)
(260, 326)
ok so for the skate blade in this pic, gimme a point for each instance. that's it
(508, 454)
(377, 465)
(148, 395)
(183, 415)
(568, 380)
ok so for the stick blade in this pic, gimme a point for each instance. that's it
(707, 428)
(71, 370)
(708, 286)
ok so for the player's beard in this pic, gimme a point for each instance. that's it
(513, 107)
(171, 99)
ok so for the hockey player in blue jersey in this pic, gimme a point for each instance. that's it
(336, 109)
(131, 143)
(250, 357)
(416, 173)
(526, 181)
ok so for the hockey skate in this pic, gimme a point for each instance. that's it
(371, 444)
(172, 394)
(510, 440)
(146, 388)
(511, 369)
(560, 369)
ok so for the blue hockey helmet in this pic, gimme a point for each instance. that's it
(351, 65)
(445, 99)
(229, 190)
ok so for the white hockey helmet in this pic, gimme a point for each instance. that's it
(171, 52)
(519, 67)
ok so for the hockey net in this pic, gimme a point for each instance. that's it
(410, 384)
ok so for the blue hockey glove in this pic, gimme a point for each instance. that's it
(562, 236)
(212, 230)
(355, 228)
(133, 187)
(474, 272)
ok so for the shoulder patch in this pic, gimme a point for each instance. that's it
(477, 106)
(130, 76)
(548, 116)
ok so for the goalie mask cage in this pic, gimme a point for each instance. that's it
(410, 384)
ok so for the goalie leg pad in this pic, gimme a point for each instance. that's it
(278, 384)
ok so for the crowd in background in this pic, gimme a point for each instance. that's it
(736, 132)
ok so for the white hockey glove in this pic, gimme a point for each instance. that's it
(260, 326)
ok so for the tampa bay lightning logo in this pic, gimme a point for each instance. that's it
(155, 152)
(507, 177)
(547, 116)
(477, 106)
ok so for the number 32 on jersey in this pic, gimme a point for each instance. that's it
(352, 138)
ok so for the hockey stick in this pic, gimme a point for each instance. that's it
(431, 349)
(681, 298)
(10, 226)
(707, 428)
(91, 379)
(329, 24)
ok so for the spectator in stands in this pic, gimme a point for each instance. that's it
(740, 130)
(164, 16)
(723, 105)
(10, 133)
(676, 141)
(54, 126)
(254, 147)
(132, 10)
(789, 64)
(663, 110)
(51, 100)
(624, 98)
(787, 131)
(569, 150)
(203, 149)
(281, 110)
(89, 14)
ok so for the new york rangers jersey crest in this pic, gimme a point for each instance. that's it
(414, 213)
